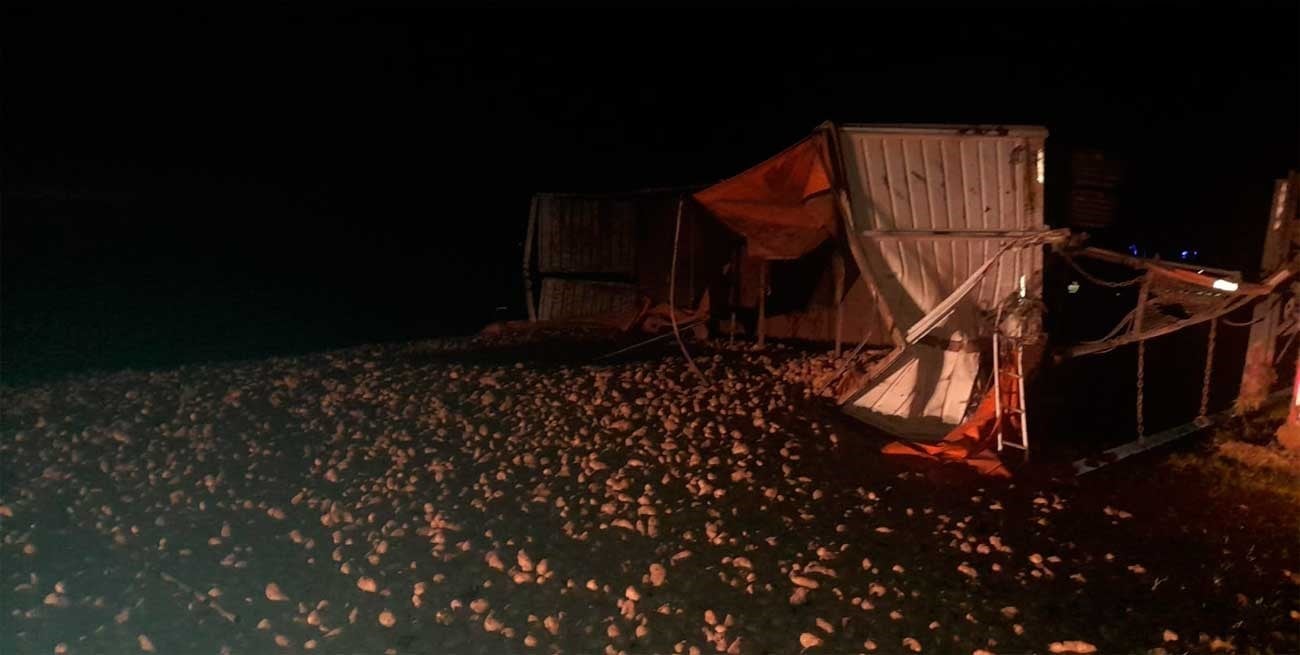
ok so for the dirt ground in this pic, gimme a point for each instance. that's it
(439, 498)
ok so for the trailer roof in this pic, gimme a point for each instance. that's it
(948, 130)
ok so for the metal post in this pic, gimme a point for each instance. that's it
(1020, 397)
(997, 359)
(528, 253)
(997, 388)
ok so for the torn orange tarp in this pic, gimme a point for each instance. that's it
(972, 442)
(783, 207)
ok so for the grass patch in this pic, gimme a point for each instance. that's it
(1244, 457)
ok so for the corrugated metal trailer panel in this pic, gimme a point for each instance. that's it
(923, 397)
(931, 204)
(627, 238)
(915, 181)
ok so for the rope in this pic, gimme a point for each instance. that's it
(1209, 370)
(1096, 280)
(672, 297)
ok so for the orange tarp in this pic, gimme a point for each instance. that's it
(783, 207)
(972, 442)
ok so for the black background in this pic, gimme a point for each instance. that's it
(183, 187)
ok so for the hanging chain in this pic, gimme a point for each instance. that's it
(1141, 371)
(1144, 293)
(1209, 370)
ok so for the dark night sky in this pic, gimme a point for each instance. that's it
(377, 167)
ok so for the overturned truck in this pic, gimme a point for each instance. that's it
(913, 238)
(923, 242)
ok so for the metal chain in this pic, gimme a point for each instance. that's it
(1141, 370)
(1138, 313)
(1209, 369)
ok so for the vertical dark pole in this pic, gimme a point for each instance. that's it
(528, 254)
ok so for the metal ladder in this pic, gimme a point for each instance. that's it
(1003, 414)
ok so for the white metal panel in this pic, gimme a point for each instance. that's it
(947, 179)
(931, 384)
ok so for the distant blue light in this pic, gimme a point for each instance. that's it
(1133, 249)
(1184, 254)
